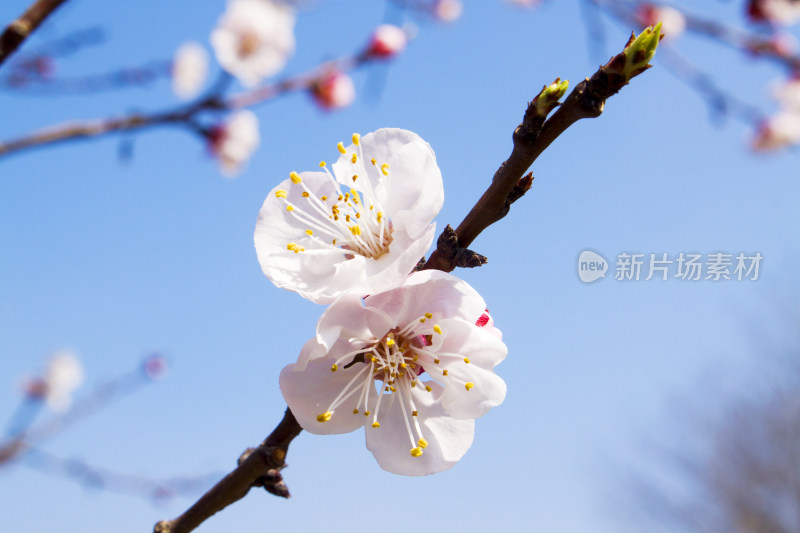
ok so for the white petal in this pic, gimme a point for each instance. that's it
(463, 340)
(448, 438)
(310, 392)
(347, 318)
(430, 291)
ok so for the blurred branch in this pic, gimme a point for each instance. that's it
(19, 30)
(258, 467)
(151, 368)
(184, 116)
(106, 479)
(120, 78)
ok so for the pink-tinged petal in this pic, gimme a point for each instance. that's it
(430, 291)
(309, 393)
(448, 439)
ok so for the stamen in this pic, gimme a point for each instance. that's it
(324, 417)
(280, 194)
(341, 149)
(416, 452)
(356, 139)
(295, 177)
(468, 385)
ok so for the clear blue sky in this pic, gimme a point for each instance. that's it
(117, 259)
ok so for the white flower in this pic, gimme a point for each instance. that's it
(62, 376)
(779, 131)
(447, 10)
(254, 39)
(787, 93)
(432, 365)
(775, 11)
(361, 228)
(235, 141)
(189, 70)
(673, 22)
(387, 41)
(333, 90)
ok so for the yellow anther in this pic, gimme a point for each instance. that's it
(356, 139)
(372, 161)
(294, 177)
(347, 218)
(354, 158)
(358, 215)
(392, 389)
(356, 230)
(372, 359)
(428, 388)
(334, 367)
(385, 169)
(309, 232)
(413, 384)
(415, 358)
(340, 197)
(380, 215)
(366, 413)
(355, 176)
(322, 164)
(323, 198)
(415, 413)
(428, 315)
(390, 342)
(416, 452)
(468, 385)
(324, 417)
(280, 194)
(305, 194)
(437, 329)
(466, 360)
(341, 149)
(355, 411)
(421, 320)
(334, 241)
(371, 207)
(376, 424)
(422, 443)
(444, 372)
(386, 389)
(289, 208)
(355, 195)
(435, 361)
(402, 365)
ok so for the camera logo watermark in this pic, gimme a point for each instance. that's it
(685, 266)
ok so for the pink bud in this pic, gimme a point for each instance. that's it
(155, 366)
(387, 41)
(333, 90)
(447, 10)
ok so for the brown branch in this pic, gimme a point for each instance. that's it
(19, 30)
(530, 138)
(258, 467)
(180, 116)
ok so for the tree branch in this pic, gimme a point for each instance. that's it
(531, 138)
(184, 115)
(258, 467)
(19, 30)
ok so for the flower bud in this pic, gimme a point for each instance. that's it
(333, 90)
(387, 41)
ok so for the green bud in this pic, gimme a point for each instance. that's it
(548, 98)
(636, 56)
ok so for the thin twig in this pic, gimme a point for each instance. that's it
(19, 30)
(531, 138)
(259, 467)
(182, 116)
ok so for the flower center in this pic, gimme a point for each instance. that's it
(396, 361)
(349, 223)
(249, 43)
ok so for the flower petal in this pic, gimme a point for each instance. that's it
(429, 291)
(309, 393)
(448, 439)
(463, 341)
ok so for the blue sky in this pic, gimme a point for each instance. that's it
(116, 259)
